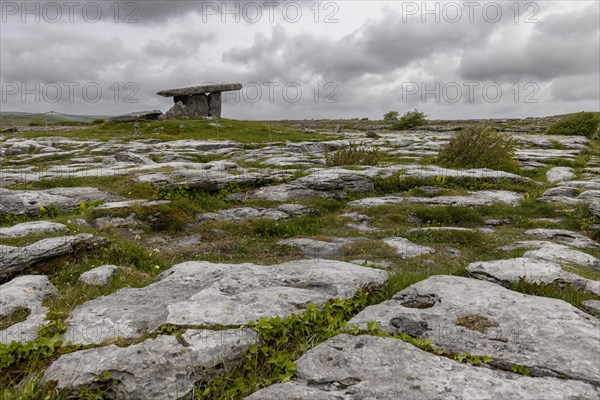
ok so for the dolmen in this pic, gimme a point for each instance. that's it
(198, 101)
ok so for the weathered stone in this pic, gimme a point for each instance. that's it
(25, 292)
(319, 249)
(559, 253)
(160, 368)
(559, 174)
(206, 294)
(592, 306)
(131, 203)
(214, 105)
(595, 208)
(195, 90)
(18, 202)
(561, 235)
(408, 249)
(178, 110)
(99, 276)
(531, 270)
(512, 328)
(31, 228)
(116, 222)
(475, 199)
(137, 116)
(14, 260)
(439, 229)
(366, 367)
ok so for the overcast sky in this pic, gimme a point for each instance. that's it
(304, 59)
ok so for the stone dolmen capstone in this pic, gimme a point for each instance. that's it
(198, 101)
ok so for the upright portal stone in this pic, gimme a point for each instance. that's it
(198, 101)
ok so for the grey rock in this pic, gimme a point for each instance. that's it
(439, 229)
(408, 249)
(514, 328)
(195, 90)
(238, 214)
(99, 276)
(319, 249)
(18, 202)
(137, 116)
(365, 367)
(595, 208)
(559, 174)
(565, 236)
(560, 254)
(475, 199)
(25, 292)
(130, 203)
(206, 294)
(592, 306)
(31, 228)
(531, 270)
(160, 368)
(14, 260)
(116, 222)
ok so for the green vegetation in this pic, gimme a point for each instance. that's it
(584, 123)
(479, 148)
(353, 154)
(409, 120)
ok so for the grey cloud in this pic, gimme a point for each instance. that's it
(561, 45)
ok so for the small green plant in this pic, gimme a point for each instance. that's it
(584, 123)
(473, 360)
(353, 154)
(409, 120)
(520, 369)
(479, 148)
(283, 340)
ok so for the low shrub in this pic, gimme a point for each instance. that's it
(584, 123)
(479, 148)
(409, 120)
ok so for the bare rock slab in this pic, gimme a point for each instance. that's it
(99, 276)
(160, 368)
(559, 174)
(408, 249)
(31, 228)
(14, 260)
(474, 199)
(365, 367)
(319, 249)
(531, 270)
(25, 293)
(207, 294)
(18, 202)
(464, 315)
(561, 235)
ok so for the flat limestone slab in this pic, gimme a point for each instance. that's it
(548, 336)
(18, 202)
(366, 367)
(474, 199)
(160, 368)
(30, 228)
(506, 272)
(14, 260)
(25, 292)
(196, 90)
(206, 294)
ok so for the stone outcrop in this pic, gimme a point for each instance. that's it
(206, 294)
(25, 293)
(15, 260)
(198, 101)
(464, 315)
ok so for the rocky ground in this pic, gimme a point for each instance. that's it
(187, 263)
